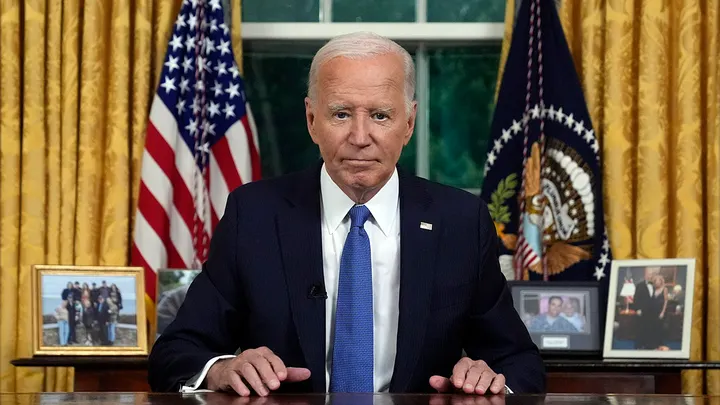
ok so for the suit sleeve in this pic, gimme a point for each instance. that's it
(209, 322)
(495, 332)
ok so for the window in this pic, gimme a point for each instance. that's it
(456, 47)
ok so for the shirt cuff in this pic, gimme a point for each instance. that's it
(196, 381)
(508, 390)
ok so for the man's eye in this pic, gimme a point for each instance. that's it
(380, 116)
(341, 115)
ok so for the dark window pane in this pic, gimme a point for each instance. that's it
(280, 11)
(276, 88)
(466, 10)
(373, 10)
(462, 89)
(275, 78)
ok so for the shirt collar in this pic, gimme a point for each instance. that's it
(336, 204)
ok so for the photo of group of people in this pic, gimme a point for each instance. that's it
(89, 311)
(555, 311)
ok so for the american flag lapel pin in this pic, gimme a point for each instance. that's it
(426, 226)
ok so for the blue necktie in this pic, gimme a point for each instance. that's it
(352, 363)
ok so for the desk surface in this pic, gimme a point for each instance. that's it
(343, 399)
(552, 365)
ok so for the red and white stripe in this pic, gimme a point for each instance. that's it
(166, 205)
(525, 255)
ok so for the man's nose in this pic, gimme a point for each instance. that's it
(360, 131)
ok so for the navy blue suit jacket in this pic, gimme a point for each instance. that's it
(256, 289)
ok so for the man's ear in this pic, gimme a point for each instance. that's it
(410, 123)
(310, 118)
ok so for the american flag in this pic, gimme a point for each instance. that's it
(201, 143)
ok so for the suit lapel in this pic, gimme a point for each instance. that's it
(300, 238)
(418, 246)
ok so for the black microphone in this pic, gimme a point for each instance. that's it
(317, 291)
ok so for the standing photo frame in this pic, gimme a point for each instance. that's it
(88, 310)
(650, 309)
(172, 286)
(562, 318)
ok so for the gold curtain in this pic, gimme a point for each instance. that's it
(76, 82)
(650, 74)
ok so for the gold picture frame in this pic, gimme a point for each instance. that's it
(108, 320)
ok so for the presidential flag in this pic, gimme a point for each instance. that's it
(543, 179)
(201, 143)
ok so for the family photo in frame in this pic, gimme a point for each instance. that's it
(650, 309)
(560, 316)
(88, 310)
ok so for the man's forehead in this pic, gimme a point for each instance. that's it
(337, 82)
(385, 70)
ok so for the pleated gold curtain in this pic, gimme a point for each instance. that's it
(76, 83)
(651, 78)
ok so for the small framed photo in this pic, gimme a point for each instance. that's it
(88, 310)
(650, 309)
(172, 287)
(561, 317)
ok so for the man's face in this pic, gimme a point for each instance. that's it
(568, 308)
(554, 307)
(359, 119)
(651, 272)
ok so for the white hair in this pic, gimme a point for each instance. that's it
(360, 45)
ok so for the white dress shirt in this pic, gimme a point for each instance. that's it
(383, 229)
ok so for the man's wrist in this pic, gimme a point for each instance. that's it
(211, 373)
(200, 380)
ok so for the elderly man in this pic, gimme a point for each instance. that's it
(352, 276)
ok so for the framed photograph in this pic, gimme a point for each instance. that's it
(172, 286)
(650, 309)
(88, 310)
(562, 317)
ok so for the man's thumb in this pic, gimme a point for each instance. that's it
(441, 384)
(295, 374)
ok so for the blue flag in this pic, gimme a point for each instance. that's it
(543, 179)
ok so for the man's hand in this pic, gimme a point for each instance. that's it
(471, 377)
(259, 369)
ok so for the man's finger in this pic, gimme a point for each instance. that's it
(459, 372)
(297, 374)
(237, 385)
(441, 384)
(251, 376)
(486, 379)
(471, 379)
(263, 368)
(498, 384)
(278, 366)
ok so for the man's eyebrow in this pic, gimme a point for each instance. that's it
(334, 107)
(386, 110)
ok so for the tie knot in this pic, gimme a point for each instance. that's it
(358, 215)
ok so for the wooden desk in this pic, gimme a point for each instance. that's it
(338, 399)
(105, 374)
